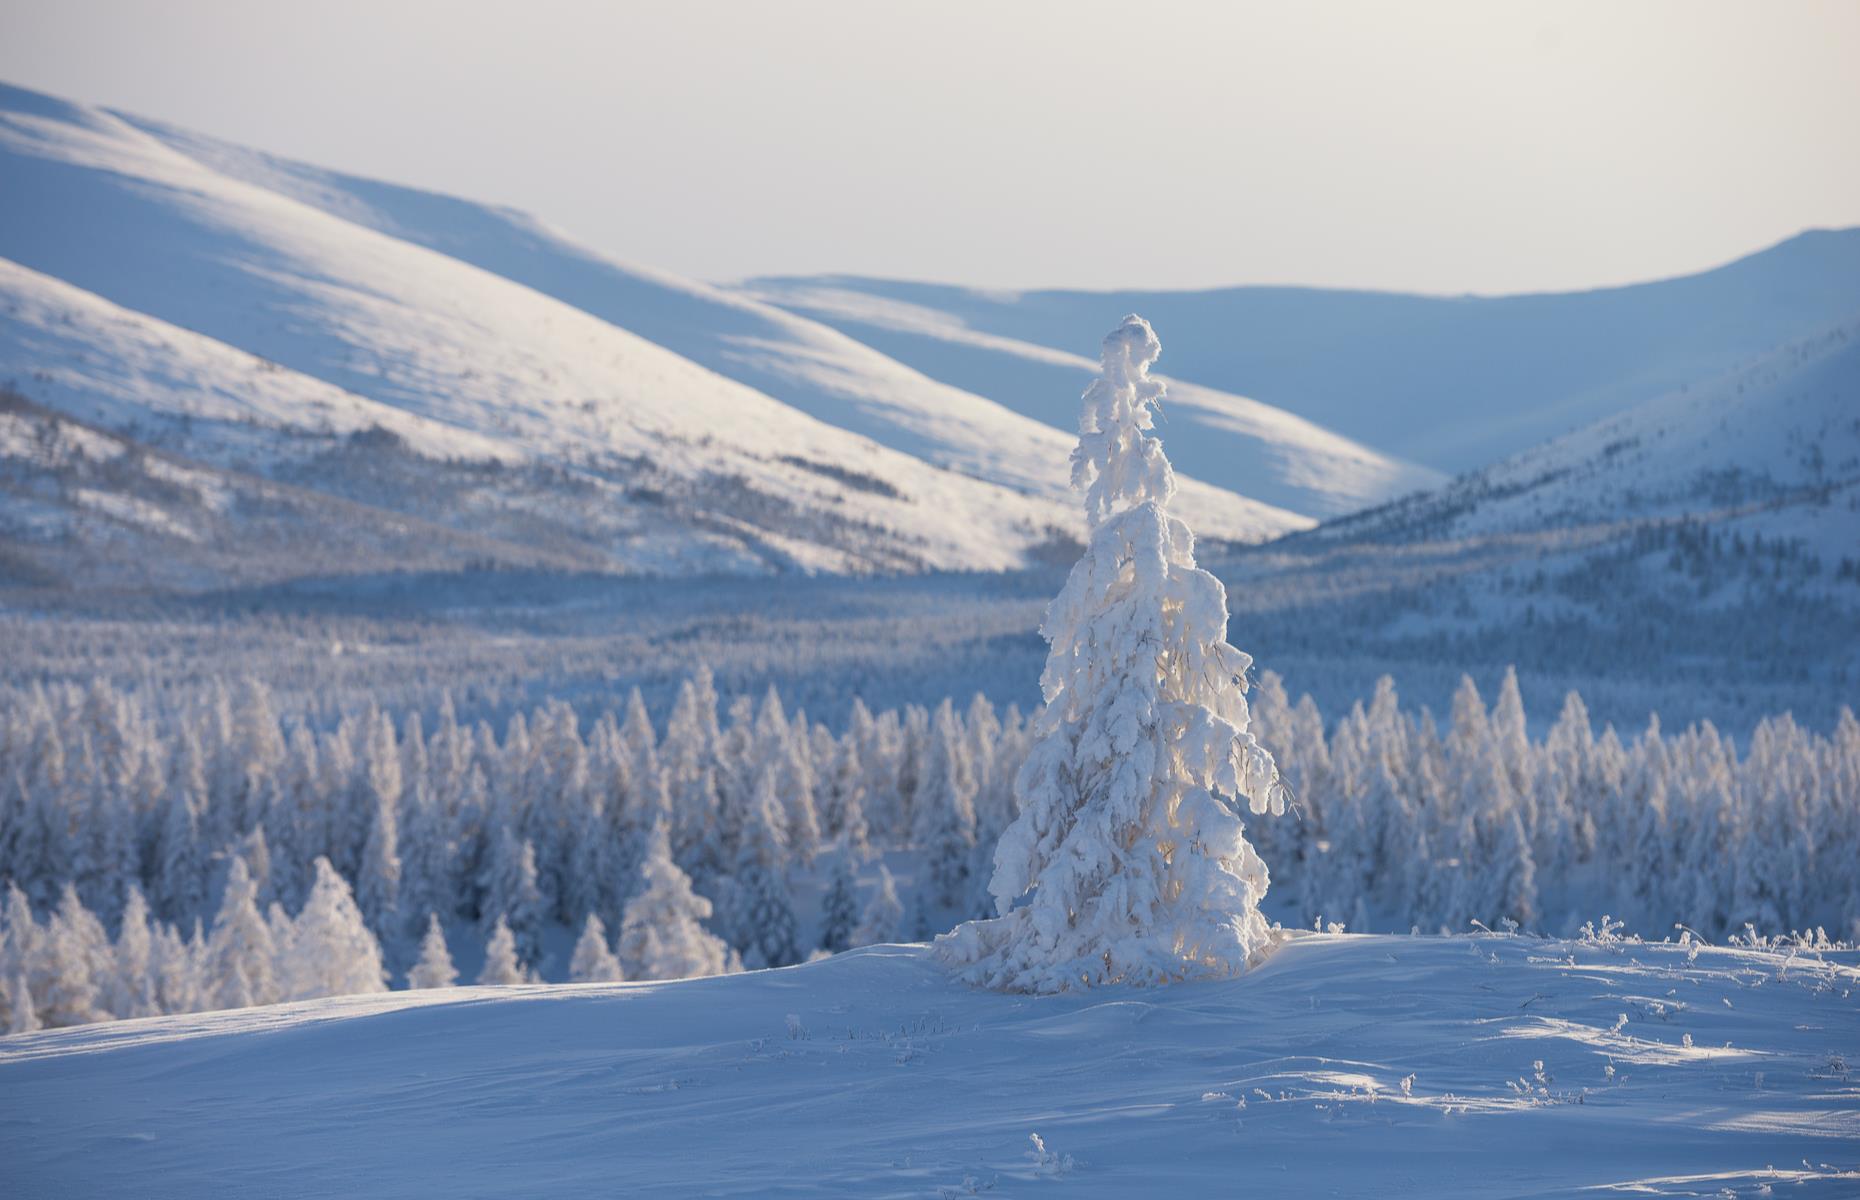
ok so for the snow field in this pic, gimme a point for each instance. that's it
(1467, 1066)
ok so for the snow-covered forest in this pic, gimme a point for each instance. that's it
(216, 855)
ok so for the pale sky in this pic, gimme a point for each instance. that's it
(1444, 147)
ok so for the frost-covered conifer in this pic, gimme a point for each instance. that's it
(500, 958)
(332, 953)
(842, 813)
(377, 890)
(662, 935)
(21, 1017)
(177, 967)
(511, 894)
(435, 969)
(839, 907)
(1138, 869)
(944, 815)
(425, 855)
(884, 913)
(74, 960)
(594, 961)
(242, 958)
(180, 867)
(762, 908)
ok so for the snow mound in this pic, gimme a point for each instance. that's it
(1437, 1067)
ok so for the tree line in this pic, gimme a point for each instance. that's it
(214, 855)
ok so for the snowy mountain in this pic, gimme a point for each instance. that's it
(1773, 447)
(1268, 451)
(220, 301)
(1450, 382)
(1438, 1067)
(1705, 543)
(1007, 437)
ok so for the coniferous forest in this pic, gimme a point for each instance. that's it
(217, 855)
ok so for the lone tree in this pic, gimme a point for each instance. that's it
(1128, 862)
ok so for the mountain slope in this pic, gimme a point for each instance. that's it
(765, 352)
(1775, 445)
(1703, 545)
(1261, 450)
(82, 507)
(1451, 382)
(1437, 1067)
(983, 431)
(111, 211)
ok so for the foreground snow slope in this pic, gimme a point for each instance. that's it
(1344, 1065)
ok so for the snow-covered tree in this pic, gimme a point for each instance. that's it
(662, 935)
(377, 890)
(132, 990)
(242, 958)
(435, 969)
(500, 958)
(944, 809)
(74, 960)
(332, 953)
(884, 913)
(180, 866)
(762, 919)
(594, 960)
(425, 855)
(511, 893)
(21, 1017)
(1138, 868)
(839, 907)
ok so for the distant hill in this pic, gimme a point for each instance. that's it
(242, 311)
(1773, 446)
(1450, 382)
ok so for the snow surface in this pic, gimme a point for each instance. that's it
(1344, 1065)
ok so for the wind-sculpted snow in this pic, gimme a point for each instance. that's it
(1435, 1067)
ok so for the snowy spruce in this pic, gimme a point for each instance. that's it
(1138, 868)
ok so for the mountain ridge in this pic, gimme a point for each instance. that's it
(1459, 381)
